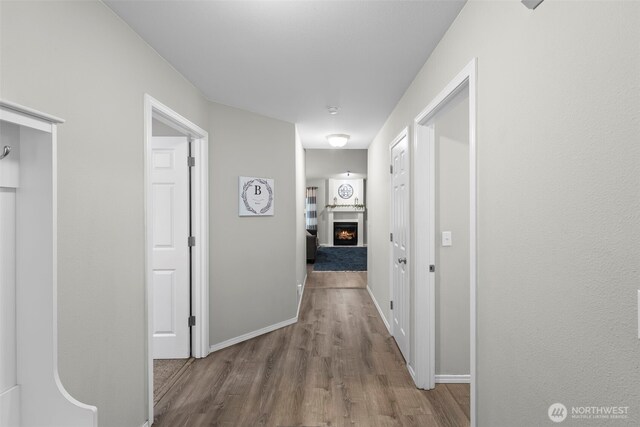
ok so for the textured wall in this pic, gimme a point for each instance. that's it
(452, 214)
(559, 205)
(335, 163)
(88, 67)
(79, 61)
(253, 259)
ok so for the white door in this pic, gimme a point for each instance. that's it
(400, 242)
(170, 263)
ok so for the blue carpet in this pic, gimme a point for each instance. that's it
(341, 259)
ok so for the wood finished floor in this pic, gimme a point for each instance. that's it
(338, 366)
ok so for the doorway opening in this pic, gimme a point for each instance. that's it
(336, 210)
(445, 214)
(176, 224)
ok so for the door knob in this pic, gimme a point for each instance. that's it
(402, 260)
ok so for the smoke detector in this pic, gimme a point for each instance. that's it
(332, 110)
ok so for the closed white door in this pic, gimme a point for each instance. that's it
(400, 242)
(170, 263)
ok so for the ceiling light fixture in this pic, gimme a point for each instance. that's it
(333, 110)
(338, 139)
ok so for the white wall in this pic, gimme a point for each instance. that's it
(452, 214)
(558, 234)
(335, 163)
(253, 260)
(79, 61)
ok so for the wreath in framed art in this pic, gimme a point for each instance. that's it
(256, 196)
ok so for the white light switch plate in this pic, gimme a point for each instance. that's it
(446, 238)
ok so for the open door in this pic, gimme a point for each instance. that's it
(170, 255)
(400, 242)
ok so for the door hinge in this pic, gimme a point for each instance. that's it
(192, 320)
(391, 169)
(391, 237)
(191, 161)
(192, 240)
(432, 268)
(391, 304)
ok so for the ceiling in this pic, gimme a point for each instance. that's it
(290, 60)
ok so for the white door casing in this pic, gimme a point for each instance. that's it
(170, 255)
(400, 242)
(424, 243)
(199, 173)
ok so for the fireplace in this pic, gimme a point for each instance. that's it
(345, 233)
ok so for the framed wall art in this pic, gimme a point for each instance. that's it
(256, 196)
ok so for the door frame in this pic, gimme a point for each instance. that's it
(404, 133)
(424, 201)
(154, 109)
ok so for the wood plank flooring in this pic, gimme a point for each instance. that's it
(338, 366)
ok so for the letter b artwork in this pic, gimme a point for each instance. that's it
(256, 196)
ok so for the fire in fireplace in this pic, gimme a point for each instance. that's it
(345, 233)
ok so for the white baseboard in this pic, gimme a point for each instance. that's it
(146, 424)
(375, 302)
(412, 373)
(248, 336)
(304, 285)
(453, 379)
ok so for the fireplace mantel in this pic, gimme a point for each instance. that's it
(345, 209)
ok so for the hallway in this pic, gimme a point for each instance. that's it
(337, 366)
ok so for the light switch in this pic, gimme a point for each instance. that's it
(446, 238)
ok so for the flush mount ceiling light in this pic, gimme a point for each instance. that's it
(338, 139)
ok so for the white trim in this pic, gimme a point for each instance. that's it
(54, 185)
(22, 110)
(404, 133)
(375, 302)
(453, 379)
(200, 228)
(38, 381)
(13, 116)
(304, 285)
(424, 244)
(411, 372)
(146, 424)
(249, 335)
